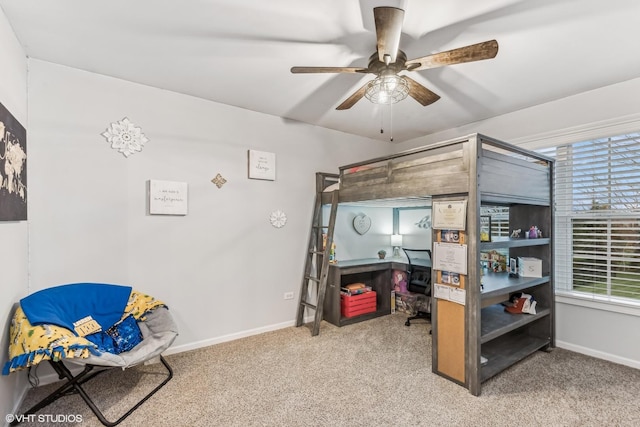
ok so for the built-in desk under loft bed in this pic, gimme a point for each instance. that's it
(474, 337)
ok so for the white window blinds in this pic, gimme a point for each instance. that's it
(597, 229)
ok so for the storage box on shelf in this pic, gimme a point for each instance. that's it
(529, 267)
(374, 273)
(355, 305)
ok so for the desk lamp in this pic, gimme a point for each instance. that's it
(396, 242)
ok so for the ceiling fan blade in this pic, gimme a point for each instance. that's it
(474, 52)
(355, 97)
(388, 30)
(297, 70)
(420, 93)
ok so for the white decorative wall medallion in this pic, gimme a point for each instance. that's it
(278, 219)
(361, 223)
(125, 137)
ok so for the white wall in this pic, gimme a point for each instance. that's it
(414, 236)
(588, 328)
(599, 332)
(13, 235)
(222, 269)
(593, 109)
(352, 245)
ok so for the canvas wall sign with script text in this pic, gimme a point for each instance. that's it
(13, 168)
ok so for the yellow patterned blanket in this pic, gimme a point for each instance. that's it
(30, 345)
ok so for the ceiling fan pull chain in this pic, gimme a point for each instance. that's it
(391, 121)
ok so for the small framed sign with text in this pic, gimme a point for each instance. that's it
(167, 198)
(262, 165)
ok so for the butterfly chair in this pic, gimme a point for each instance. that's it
(142, 329)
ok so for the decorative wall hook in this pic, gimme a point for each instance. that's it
(219, 181)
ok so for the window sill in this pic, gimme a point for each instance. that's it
(598, 303)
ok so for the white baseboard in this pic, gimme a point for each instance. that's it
(599, 354)
(226, 338)
(16, 407)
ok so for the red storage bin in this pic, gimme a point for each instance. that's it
(356, 305)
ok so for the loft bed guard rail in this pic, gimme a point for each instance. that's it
(444, 169)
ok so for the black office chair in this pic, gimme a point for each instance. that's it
(419, 278)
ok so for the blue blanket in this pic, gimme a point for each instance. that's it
(65, 304)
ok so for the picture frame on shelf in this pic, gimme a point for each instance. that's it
(485, 228)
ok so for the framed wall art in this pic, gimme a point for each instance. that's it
(262, 165)
(168, 198)
(13, 168)
(449, 215)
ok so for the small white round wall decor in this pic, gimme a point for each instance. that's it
(361, 223)
(125, 137)
(278, 219)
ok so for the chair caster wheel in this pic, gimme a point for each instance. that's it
(407, 323)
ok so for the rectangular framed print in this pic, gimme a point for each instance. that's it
(13, 168)
(450, 215)
(168, 197)
(262, 165)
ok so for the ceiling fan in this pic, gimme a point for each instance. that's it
(388, 60)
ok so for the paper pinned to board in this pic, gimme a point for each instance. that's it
(458, 295)
(450, 257)
(450, 293)
(441, 291)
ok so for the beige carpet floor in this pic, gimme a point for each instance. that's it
(374, 373)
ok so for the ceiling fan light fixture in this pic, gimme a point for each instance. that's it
(387, 89)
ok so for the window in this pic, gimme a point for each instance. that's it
(597, 217)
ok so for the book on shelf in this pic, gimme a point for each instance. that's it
(357, 291)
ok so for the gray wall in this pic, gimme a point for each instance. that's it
(13, 235)
(222, 269)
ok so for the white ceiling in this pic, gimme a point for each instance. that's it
(239, 52)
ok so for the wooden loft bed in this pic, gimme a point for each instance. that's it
(482, 171)
(445, 169)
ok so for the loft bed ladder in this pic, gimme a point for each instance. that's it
(316, 268)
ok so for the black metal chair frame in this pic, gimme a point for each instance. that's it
(412, 269)
(73, 385)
